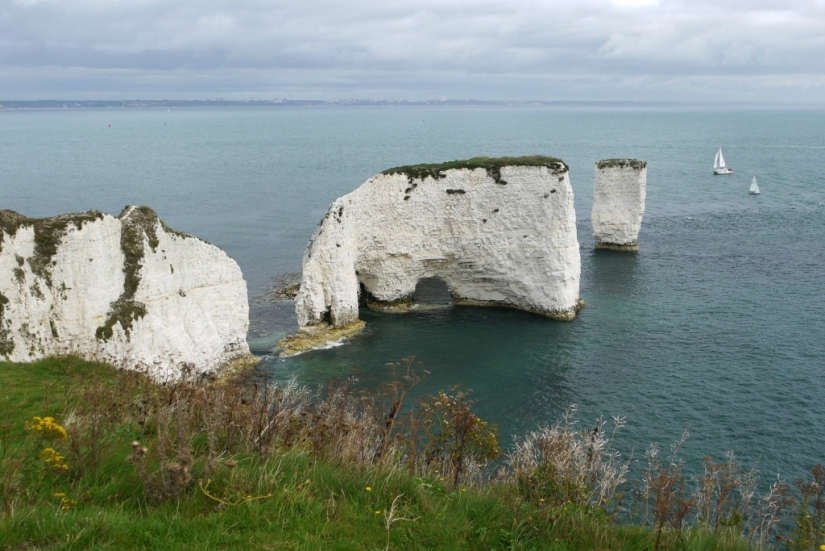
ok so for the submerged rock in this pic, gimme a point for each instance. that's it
(619, 203)
(498, 232)
(124, 290)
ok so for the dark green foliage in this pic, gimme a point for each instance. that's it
(455, 435)
(124, 312)
(621, 163)
(10, 221)
(492, 165)
(809, 531)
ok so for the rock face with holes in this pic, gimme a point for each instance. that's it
(498, 232)
(124, 290)
(619, 203)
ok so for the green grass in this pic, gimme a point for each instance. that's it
(621, 163)
(492, 165)
(290, 500)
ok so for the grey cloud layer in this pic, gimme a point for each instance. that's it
(405, 48)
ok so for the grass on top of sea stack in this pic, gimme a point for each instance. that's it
(145, 468)
(492, 165)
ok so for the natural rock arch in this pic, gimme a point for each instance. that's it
(498, 232)
(432, 291)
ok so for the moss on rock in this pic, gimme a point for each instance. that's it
(492, 165)
(390, 307)
(621, 163)
(139, 224)
(48, 234)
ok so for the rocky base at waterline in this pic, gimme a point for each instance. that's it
(127, 290)
(632, 247)
(619, 203)
(317, 336)
(497, 232)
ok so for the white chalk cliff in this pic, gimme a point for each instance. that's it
(498, 232)
(125, 290)
(619, 203)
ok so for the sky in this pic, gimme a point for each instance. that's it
(739, 51)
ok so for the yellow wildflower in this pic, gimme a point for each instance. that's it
(368, 489)
(378, 512)
(53, 459)
(46, 427)
(65, 503)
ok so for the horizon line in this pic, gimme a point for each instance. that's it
(220, 101)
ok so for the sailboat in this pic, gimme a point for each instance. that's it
(754, 190)
(719, 166)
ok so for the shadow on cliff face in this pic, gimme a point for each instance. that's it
(432, 291)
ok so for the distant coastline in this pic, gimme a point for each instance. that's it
(170, 103)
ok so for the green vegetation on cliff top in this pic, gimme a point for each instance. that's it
(139, 225)
(621, 163)
(492, 165)
(48, 232)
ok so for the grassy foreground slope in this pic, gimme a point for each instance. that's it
(92, 457)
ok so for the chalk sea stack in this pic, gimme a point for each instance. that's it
(496, 231)
(126, 290)
(619, 203)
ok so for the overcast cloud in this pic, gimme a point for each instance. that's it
(639, 50)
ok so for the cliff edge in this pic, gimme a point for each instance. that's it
(127, 290)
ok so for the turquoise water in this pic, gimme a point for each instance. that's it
(717, 324)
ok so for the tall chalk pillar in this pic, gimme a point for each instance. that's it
(619, 203)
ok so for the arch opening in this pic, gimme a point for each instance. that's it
(432, 291)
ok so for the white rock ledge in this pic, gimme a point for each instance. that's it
(498, 232)
(619, 203)
(124, 290)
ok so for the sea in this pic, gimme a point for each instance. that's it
(716, 326)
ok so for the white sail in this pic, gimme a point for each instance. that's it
(754, 190)
(719, 166)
